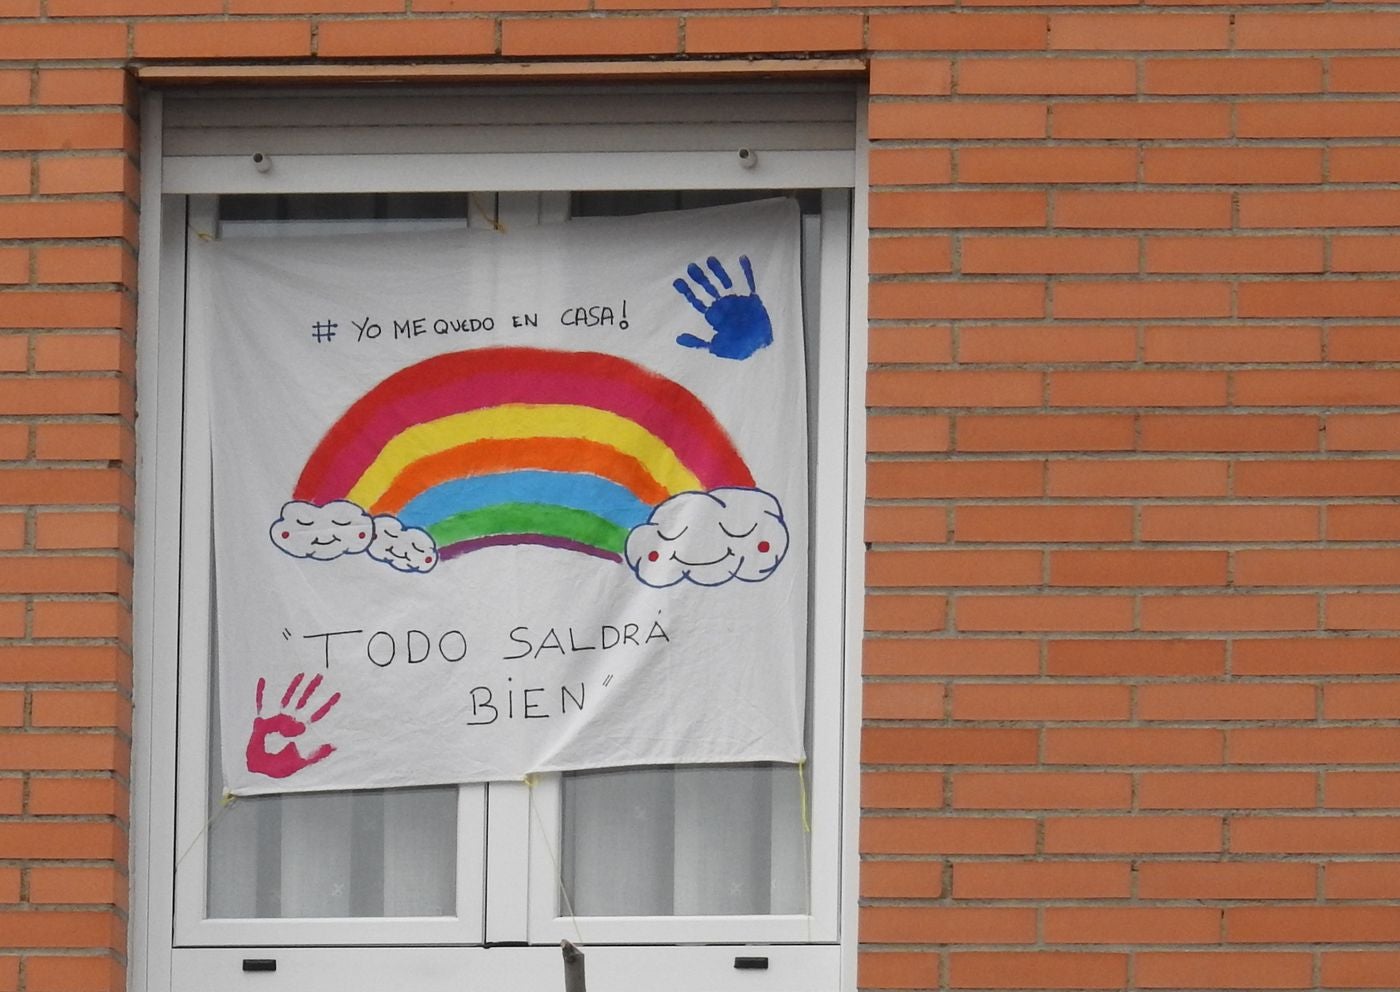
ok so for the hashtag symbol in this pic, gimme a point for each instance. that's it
(323, 330)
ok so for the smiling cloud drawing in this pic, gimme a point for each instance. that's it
(324, 533)
(709, 538)
(406, 549)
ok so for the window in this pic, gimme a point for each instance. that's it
(654, 871)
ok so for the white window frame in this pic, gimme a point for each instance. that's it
(694, 953)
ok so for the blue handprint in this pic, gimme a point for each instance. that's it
(741, 323)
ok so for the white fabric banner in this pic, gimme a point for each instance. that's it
(492, 503)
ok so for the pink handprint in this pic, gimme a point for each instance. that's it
(289, 760)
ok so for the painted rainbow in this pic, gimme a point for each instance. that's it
(522, 446)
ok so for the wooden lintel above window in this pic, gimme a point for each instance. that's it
(601, 71)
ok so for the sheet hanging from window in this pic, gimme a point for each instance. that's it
(489, 503)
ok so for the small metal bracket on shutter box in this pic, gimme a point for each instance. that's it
(751, 964)
(259, 964)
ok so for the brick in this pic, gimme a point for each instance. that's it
(1309, 567)
(1375, 163)
(1213, 344)
(1362, 880)
(1203, 432)
(952, 567)
(58, 929)
(1043, 880)
(78, 87)
(75, 574)
(1323, 208)
(82, 353)
(1038, 969)
(1235, 254)
(1129, 389)
(900, 388)
(77, 796)
(1363, 74)
(952, 120)
(97, 886)
(961, 208)
(51, 42)
(1139, 32)
(71, 530)
(1366, 253)
(1315, 835)
(902, 701)
(1226, 880)
(910, 254)
(61, 485)
(1211, 77)
(1317, 119)
(64, 974)
(1302, 478)
(91, 441)
(1080, 300)
(1228, 613)
(14, 442)
(905, 166)
(1132, 746)
(643, 36)
(1137, 568)
(387, 38)
(1361, 969)
(1140, 120)
(949, 835)
(1048, 77)
(915, 345)
(50, 840)
(1135, 834)
(911, 77)
(79, 709)
(1361, 700)
(1043, 613)
(1226, 790)
(904, 612)
(14, 176)
(246, 39)
(1363, 611)
(1312, 924)
(12, 531)
(1313, 32)
(107, 618)
(87, 264)
(1041, 790)
(11, 702)
(1133, 211)
(49, 219)
(335, 6)
(1314, 745)
(1140, 658)
(894, 480)
(946, 925)
(893, 970)
(1042, 524)
(912, 432)
(1222, 970)
(901, 790)
(1137, 478)
(1362, 522)
(1238, 702)
(1051, 344)
(1042, 432)
(928, 656)
(917, 524)
(955, 301)
(87, 174)
(947, 746)
(957, 32)
(900, 879)
(1219, 523)
(997, 701)
(1239, 166)
(127, 8)
(786, 33)
(14, 88)
(60, 752)
(1311, 656)
(11, 794)
(1131, 925)
(1003, 255)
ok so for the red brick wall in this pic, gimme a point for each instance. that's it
(1133, 673)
